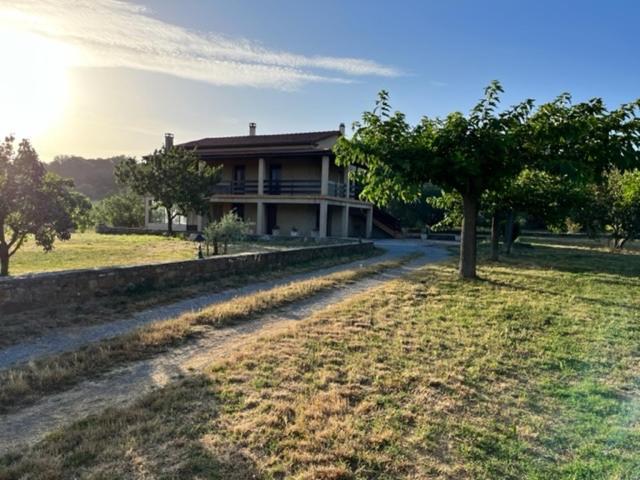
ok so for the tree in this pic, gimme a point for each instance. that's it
(614, 207)
(33, 202)
(465, 154)
(230, 228)
(175, 177)
(124, 209)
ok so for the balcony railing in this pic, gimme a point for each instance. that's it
(292, 187)
(247, 187)
(284, 187)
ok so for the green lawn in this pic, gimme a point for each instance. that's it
(533, 372)
(90, 250)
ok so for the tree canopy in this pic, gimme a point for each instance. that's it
(175, 177)
(466, 154)
(485, 155)
(34, 202)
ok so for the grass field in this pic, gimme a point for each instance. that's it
(531, 372)
(90, 250)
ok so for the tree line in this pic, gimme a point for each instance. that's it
(553, 160)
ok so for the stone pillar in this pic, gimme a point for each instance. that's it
(324, 213)
(260, 220)
(369, 222)
(345, 221)
(199, 222)
(261, 176)
(324, 176)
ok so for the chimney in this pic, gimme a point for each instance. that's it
(252, 129)
(342, 129)
(168, 141)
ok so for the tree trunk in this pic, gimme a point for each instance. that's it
(495, 237)
(4, 260)
(508, 232)
(467, 266)
(169, 222)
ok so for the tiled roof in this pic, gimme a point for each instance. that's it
(283, 139)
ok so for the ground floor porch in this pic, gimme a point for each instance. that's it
(313, 219)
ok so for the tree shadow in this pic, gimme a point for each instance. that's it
(576, 260)
(162, 435)
(543, 291)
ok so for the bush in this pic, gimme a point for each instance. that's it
(230, 228)
(123, 209)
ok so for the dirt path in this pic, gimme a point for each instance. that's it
(123, 385)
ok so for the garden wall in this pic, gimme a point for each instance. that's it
(56, 288)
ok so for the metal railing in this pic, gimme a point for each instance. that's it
(284, 187)
(292, 187)
(247, 187)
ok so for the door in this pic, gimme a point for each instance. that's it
(238, 179)
(275, 177)
(272, 217)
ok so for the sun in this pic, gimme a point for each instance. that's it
(34, 84)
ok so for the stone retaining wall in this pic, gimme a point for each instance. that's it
(56, 288)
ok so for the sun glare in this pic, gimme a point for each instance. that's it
(34, 87)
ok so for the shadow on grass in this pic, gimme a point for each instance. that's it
(571, 260)
(163, 435)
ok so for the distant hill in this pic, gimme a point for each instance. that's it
(93, 177)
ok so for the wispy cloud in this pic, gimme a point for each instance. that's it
(115, 33)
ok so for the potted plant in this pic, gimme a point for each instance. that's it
(294, 232)
(275, 231)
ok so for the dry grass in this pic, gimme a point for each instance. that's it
(531, 372)
(18, 327)
(22, 385)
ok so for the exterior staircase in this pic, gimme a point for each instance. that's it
(387, 223)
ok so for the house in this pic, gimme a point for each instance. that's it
(282, 184)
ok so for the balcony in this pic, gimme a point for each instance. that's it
(282, 187)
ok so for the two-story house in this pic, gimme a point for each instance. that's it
(281, 184)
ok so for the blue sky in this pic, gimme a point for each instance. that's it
(433, 57)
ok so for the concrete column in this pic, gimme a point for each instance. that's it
(324, 177)
(324, 212)
(345, 221)
(260, 220)
(345, 180)
(199, 222)
(369, 222)
(261, 176)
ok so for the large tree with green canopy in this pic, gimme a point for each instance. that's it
(174, 176)
(468, 154)
(33, 202)
(484, 152)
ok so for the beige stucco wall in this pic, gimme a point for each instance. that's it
(302, 217)
(296, 168)
(292, 169)
(251, 168)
